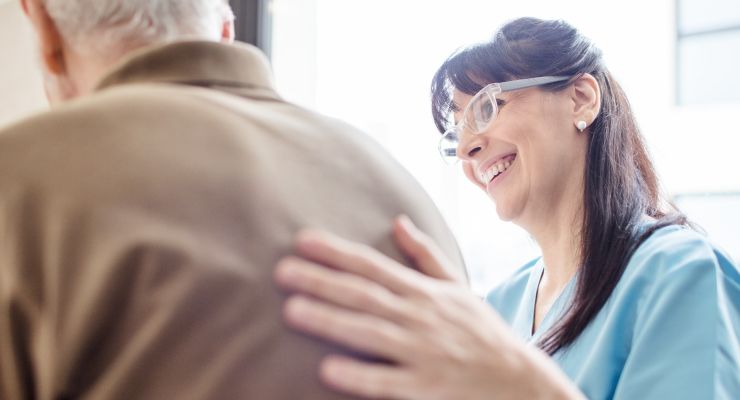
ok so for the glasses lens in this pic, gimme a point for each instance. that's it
(481, 112)
(448, 146)
(477, 117)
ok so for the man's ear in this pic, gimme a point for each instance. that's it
(50, 40)
(586, 99)
(228, 34)
(227, 31)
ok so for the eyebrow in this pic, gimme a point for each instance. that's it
(453, 109)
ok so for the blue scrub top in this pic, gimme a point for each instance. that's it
(670, 329)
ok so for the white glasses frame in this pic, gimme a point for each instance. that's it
(451, 138)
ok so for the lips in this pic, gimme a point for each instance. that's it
(496, 168)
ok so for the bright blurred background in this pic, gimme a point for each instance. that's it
(370, 62)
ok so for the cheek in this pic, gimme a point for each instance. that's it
(468, 170)
(551, 165)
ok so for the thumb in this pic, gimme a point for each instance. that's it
(427, 256)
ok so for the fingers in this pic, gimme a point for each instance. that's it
(362, 260)
(341, 288)
(368, 380)
(422, 249)
(361, 332)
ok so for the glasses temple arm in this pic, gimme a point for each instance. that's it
(530, 82)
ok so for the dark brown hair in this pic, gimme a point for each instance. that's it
(621, 186)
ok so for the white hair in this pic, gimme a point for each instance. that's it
(105, 26)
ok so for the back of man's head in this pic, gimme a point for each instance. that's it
(80, 39)
(102, 26)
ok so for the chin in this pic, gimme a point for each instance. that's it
(506, 214)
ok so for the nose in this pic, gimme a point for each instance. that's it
(470, 145)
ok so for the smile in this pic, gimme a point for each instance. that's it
(496, 169)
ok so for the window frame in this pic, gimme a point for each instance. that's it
(253, 23)
(680, 36)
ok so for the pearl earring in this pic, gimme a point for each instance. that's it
(581, 125)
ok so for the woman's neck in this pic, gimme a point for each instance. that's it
(557, 230)
(560, 255)
(559, 240)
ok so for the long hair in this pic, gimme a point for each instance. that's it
(621, 186)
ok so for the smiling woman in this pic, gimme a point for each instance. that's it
(601, 208)
(627, 301)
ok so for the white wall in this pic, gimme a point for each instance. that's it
(21, 90)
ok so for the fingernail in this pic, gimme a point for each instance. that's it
(332, 368)
(307, 238)
(405, 221)
(408, 225)
(286, 271)
(310, 235)
(295, 307)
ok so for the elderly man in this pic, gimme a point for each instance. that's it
(141, 219)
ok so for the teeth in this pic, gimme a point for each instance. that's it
(494, 170)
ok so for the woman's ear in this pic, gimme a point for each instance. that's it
(51, 45)
(586, 99)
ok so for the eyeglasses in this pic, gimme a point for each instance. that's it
(482, 110)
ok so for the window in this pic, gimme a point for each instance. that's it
(718, 214)
(253, 22)
(708, 53)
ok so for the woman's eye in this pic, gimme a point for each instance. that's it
(487, 110)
